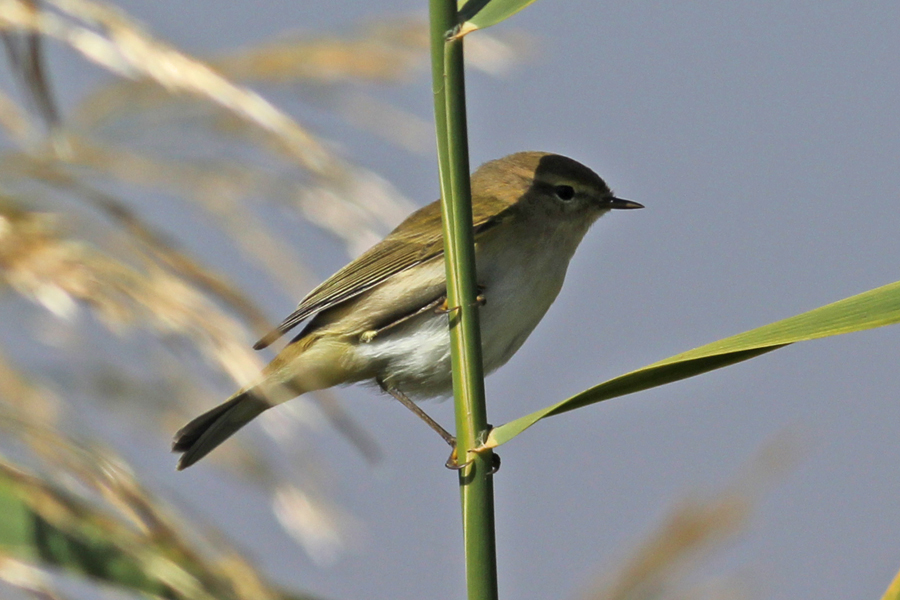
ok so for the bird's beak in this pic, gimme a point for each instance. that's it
(619, 203)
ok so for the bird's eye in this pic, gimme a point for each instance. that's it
(564, 192)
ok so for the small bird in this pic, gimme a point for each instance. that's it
(383, 318)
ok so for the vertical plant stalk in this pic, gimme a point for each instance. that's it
(476, 487)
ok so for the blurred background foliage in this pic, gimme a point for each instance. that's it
(109, 307)
(112, 313)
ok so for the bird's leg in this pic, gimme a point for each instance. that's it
(368, 336)
(480, 300)
(438, 305)
(452, 462)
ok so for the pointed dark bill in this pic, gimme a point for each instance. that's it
(619, 203)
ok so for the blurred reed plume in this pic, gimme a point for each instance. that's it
(665, 565)
(116, 306)
(83, 513)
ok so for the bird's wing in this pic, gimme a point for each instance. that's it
(418, 239)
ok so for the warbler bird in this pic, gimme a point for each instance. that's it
(383, 318)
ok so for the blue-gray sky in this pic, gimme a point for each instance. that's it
(764, 140)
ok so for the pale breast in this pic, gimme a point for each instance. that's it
(520, 285)
(521, 277)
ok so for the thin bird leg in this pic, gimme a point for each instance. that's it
(368, 336)
(480, 300)
(405, 401)
(452, 462)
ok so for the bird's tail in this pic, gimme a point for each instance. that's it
(199, 437)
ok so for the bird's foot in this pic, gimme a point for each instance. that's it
(480, 300)
(454, 464)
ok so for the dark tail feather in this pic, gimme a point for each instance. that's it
(199, 437)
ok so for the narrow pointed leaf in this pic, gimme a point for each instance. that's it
(478, 14)
(868, 310)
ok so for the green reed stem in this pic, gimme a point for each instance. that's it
(476, 488)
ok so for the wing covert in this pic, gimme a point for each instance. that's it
(416, 240)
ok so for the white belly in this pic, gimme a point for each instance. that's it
(519, 288)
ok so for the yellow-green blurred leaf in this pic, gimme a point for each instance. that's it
(82, 549)
(893, 591)
(45, 525)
